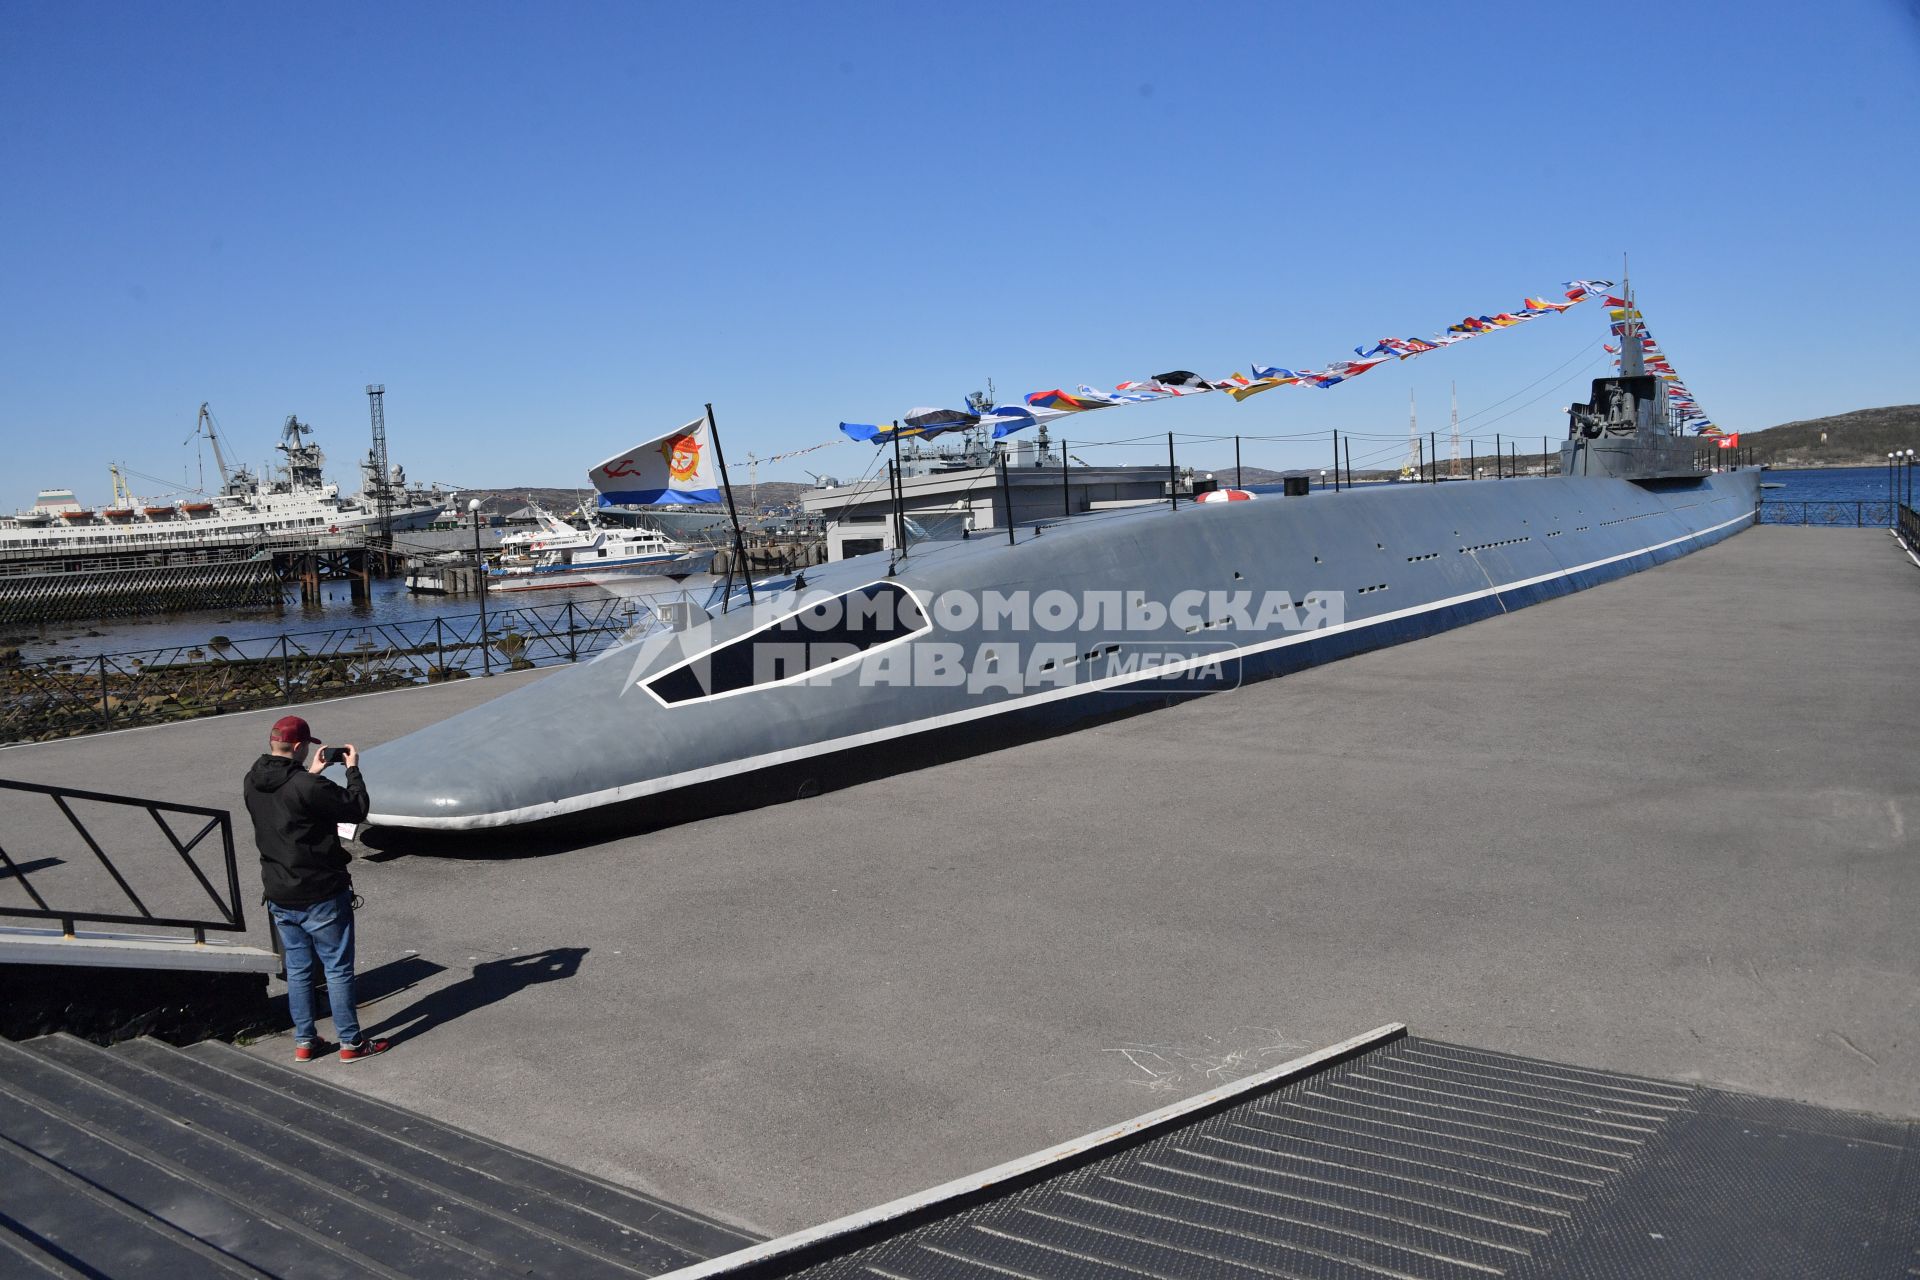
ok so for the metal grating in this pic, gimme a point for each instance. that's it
(1430, 1161)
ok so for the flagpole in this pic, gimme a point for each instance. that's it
(899, 497)
(739, 542)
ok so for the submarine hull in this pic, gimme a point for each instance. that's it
(1085, 619)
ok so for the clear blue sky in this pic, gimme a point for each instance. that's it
(553, 229)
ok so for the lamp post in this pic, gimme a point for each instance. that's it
(480, 584)
(1323, 478)
(1909, 477)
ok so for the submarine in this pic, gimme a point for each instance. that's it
(885, 662)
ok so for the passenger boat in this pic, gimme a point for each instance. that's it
(555, 554)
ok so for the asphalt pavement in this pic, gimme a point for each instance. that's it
(1662, 826)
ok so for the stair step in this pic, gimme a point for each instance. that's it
(20, 1256)
(20, 945)
(131, 1139)
(510, 1240)
(638, 1248)
(698, 1235)
(79, 1224)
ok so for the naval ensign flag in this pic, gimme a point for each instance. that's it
(677, 467)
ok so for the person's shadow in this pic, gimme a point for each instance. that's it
(490, 981)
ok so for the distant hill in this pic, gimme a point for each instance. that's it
(1862, 438)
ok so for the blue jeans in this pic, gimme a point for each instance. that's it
(325, 930)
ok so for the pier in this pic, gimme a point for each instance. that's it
(354, 561)
(1662, 827)
(38, 587)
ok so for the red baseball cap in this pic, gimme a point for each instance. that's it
(291, 730)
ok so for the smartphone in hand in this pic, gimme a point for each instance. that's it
(333, 755)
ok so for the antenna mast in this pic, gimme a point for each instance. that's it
(1411, 466)
(1453, 468)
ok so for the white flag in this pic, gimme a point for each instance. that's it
(677, 467)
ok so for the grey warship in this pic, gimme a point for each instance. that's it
(892, 660)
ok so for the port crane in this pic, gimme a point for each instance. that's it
(204, 426)
(122, 494)
(233, 478)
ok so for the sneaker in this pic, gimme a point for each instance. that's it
(365, 1049)
(312, 1050)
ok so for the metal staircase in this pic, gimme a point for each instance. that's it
(158, 1162)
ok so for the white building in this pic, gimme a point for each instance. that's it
(952, 492)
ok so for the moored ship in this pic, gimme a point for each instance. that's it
(900, 657)
(63, 560)
(298, 500)
(555, 554)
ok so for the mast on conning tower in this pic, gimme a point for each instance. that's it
(1633, 352)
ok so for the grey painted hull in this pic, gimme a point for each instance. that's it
(1281, 584)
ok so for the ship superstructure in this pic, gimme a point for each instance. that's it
(1627, 429)
(295, 501)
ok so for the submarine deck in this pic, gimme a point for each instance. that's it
(1657, 827)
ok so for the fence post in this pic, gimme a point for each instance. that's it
(106, 711)
(572, 654)
(286, 672)
(439, 650)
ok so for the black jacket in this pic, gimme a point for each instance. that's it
(294, 813)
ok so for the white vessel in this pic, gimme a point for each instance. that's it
(555, 554)
(295, 502)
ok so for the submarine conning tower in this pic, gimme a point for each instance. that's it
(1627, 430)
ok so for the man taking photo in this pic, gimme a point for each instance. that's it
(309, 894)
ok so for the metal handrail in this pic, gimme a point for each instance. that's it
(232, 916)
(66, 696)
(1836, 513)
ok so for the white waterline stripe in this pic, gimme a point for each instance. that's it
(1901, 543)
(729, 768)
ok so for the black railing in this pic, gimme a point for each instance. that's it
(231, 918)
(1842, 514)
(1908, 528)
(62, 697)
